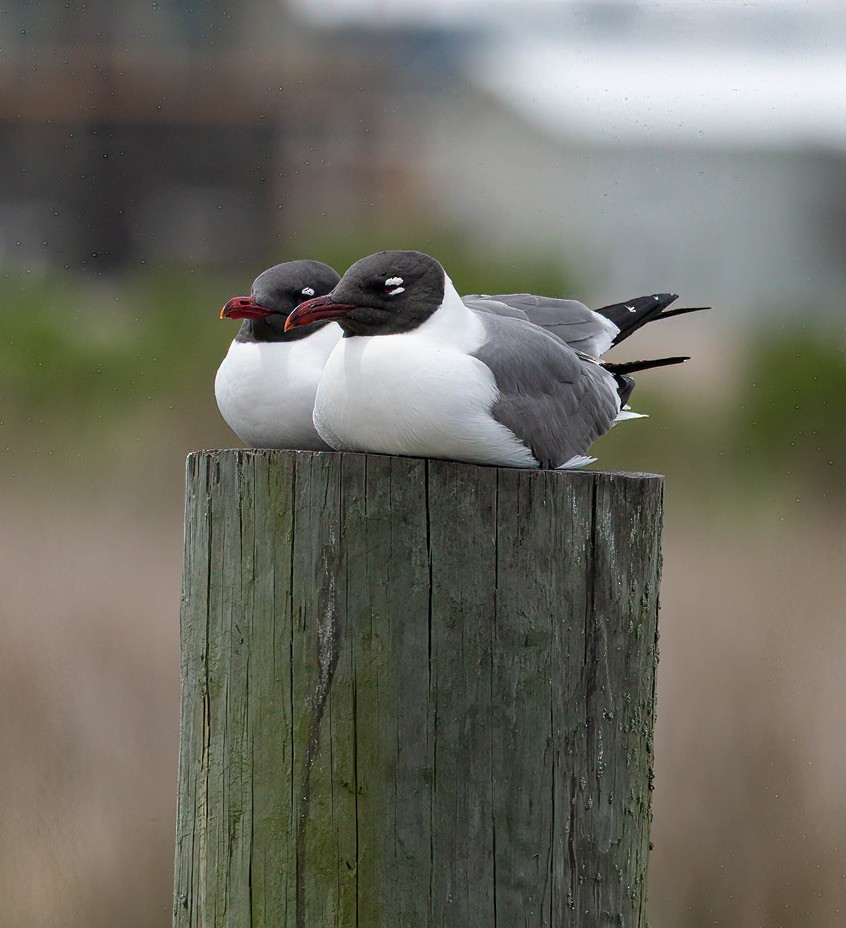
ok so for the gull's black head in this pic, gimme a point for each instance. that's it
(276, 293)
(383, 294)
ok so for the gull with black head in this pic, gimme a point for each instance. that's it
(266, 384)
(420, 373)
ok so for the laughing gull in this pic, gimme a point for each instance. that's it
(453, 381)
(590, 331)
(266, 384)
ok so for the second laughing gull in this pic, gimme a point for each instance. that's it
(266, 384)
(452, 381)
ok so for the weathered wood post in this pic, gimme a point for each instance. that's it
(415, 694)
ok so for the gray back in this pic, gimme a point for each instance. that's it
(569, 320)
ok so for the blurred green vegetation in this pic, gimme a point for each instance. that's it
(471, 270)
(794, 412)
(777, 439)
(108, 363)
(76, 350)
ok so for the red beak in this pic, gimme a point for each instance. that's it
(322, 307)
(244, 307)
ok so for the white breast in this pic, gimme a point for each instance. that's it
(420, 393)
(265, 390)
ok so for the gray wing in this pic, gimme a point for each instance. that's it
(556, 403)
(492, 304)
(569, 320)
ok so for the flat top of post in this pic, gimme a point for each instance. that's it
(269, 454)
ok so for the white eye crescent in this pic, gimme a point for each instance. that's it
(393, 281)
(307, 291)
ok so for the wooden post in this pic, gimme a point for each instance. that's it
(415, 694)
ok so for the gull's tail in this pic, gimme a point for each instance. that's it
(633, 314)
(625, 383)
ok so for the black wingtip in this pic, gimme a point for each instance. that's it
(629, 367)
(681, 311)
(630, 315)
(664, 298)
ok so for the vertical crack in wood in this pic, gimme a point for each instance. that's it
(431, 695)
(658, 561)
(185, 863)
(494, 632)
(327, 660)
(249, 473)
(353, 672)
(291, 739)
(590, 556)
(550, 862)
(571, 848)
(205, 764)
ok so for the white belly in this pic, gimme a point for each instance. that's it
(265, 390)
(405, 394)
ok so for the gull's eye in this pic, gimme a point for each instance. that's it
(394, 286)
(307, 291)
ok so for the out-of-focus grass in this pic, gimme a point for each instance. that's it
(90, 692)
(793, 409)
(750, 814)
(79, 357)
(775, 440)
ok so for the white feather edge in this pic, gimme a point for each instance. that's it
(627, 413)
(580, 460)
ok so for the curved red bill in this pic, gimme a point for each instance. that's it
(244, 307)
(321, 307)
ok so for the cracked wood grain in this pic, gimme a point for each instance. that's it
(414, 694)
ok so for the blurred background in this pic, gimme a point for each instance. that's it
(155, 157)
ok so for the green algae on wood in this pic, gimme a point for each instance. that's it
(414, 694)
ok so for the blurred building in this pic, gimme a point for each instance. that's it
(700, 148)
(186, 132)
(696, 147)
